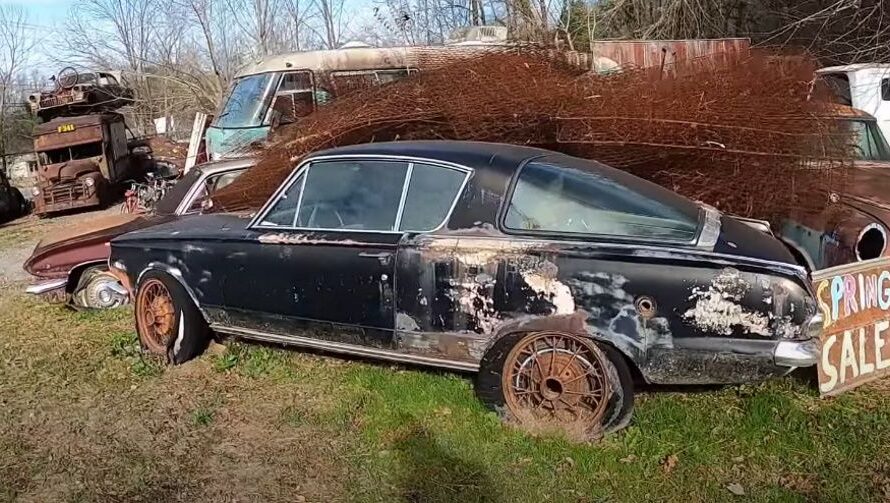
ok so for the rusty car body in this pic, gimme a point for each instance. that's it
(77, 93)
(555, 278)
(73, 264)
(853, 227)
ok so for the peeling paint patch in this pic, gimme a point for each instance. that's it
(286, 238)
(552, 290)
(718, 308)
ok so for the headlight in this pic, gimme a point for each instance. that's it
(35, 191)
(872, 242)
(89, 182)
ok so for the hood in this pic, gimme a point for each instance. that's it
(58, 252)
(69, 170)
(740, 239)
(191, 227)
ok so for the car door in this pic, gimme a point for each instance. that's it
(319, 261)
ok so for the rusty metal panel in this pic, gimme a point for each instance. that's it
(855, 303)
(652, 53)
(67, 137)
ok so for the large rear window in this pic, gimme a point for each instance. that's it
(566, 195)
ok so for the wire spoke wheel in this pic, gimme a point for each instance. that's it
(155, 315)
(556, 379)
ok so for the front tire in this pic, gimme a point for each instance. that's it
(167, 321)
(94, 291)
(555, 380)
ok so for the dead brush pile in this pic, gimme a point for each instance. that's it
(737, 132)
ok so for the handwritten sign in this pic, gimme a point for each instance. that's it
(855, 303)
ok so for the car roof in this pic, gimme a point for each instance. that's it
(853, 68)
(473, 154)
(213, 167)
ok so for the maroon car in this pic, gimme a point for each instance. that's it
(72, 264)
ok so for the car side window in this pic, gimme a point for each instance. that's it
(284, 212)
(210, 185)
(431, 193)
(352, 194)
(557, 198)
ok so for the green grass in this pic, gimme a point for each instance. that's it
(87, 417)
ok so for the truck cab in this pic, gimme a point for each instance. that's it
(864, 86)
(78, 158)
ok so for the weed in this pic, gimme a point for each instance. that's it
(203, 416)
(125, 346)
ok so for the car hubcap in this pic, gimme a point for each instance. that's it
(155, 315)
(556, 378)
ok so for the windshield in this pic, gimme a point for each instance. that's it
(870, 144)
(73, 153)
(248, 102)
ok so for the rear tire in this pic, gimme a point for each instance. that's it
(575, 359)
(167, 321)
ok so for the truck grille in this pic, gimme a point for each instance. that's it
(64, 193)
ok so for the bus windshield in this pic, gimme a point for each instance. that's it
(248, 101)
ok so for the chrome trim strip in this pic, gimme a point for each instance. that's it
(304, 177)
(256, 222)
(403, 197)
(710, 232)
(350, 349)
(797, 354)
(46, 286)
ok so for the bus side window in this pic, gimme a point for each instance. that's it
(295, 97)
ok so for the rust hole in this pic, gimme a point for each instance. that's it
(646, 306)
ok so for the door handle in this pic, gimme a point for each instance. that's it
(375, 255)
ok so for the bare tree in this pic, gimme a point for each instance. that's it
(330, 14)
(15, 46)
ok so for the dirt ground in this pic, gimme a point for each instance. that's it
(19, 237)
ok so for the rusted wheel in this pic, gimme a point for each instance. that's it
(155, 316)
(168, 320)
(558, 379)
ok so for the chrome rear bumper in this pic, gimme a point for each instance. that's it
(46, 286)
(798, 353)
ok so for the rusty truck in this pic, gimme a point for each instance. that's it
(79, 160)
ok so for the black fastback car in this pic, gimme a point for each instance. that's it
(559, 280)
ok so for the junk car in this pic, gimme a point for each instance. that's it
(73, 264)
(558, 280)
(853, 226)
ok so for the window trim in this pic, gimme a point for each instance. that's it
(267, 119)
(305, 165)
(701, 239)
